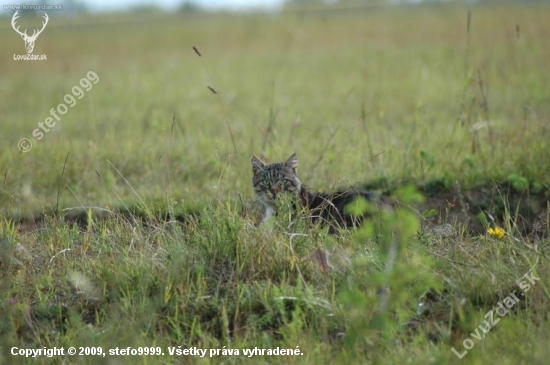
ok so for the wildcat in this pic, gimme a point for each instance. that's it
(272, 179)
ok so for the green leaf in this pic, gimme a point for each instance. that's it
(359, 206)
(408, 194)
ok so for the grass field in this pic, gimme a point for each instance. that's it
(159, 165)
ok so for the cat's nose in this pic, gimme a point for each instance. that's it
(274, 191)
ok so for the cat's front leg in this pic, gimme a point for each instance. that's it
(269, 212)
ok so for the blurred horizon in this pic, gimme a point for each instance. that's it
(102, 6)
(106, 5)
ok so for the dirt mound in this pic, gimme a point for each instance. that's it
(476, 208)
(472, 209)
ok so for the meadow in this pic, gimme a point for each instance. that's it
(123, 226)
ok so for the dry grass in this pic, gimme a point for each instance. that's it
(394, 94)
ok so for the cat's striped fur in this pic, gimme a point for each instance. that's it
(272, 179)
(269, 180)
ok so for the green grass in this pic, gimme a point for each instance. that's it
(380, 95)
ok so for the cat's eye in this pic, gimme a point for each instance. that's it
(265, 182)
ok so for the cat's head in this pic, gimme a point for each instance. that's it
(272, 179)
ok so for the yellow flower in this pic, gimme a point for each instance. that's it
(496, 232)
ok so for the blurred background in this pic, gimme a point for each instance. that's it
(232, 5)
(160, 106)
(361, 90)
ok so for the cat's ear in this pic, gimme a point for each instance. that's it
(292, 162)
(257, 164)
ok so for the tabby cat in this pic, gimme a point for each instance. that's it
(271, 180)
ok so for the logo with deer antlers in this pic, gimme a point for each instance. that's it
(29, 40)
